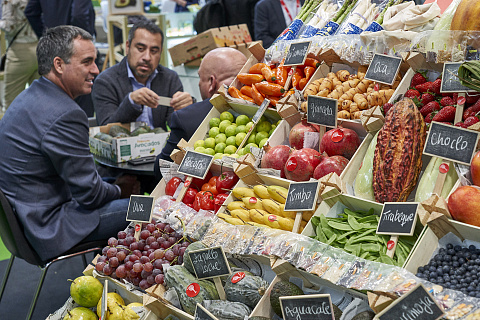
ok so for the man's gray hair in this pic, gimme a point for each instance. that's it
(58, 42)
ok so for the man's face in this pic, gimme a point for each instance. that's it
(204, 82)
(78, 75)
(143, 54)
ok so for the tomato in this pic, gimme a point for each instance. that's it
(172, 186)
(226, 181)
(189, 196)
(219, 200)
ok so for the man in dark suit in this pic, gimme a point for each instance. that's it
(213, 73)
(48, 174)
(130, 90)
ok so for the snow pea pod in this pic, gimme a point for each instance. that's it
(340, 225)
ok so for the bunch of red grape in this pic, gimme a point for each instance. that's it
(142, 262)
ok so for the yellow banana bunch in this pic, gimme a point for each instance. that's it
(243, 192)
(278, 193)
(261, 191)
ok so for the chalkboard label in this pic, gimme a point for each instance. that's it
(195, 164)
(260, 111)
(450, 80)
(451, 143)
(203, 314)
(140, 209)
(297, 53)
(417, 304)
(209, 263)
(307, 307)
(383, 69)
(302, 196)
(398, 218)
(322, 111)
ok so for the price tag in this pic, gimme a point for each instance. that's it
(450, 142)
(260, 111)
(297, 53)
(307, 307)
(195, 164)
(209, 263)
(140, 208)
(302, 196)
(398, 218)
(450, 80)
(322, 111)
(203, 314)
(383, 68)
(417, 304)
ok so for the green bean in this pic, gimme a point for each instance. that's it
(340, 225)
(332, 239)
(353, 223)
(371, 247)
(364, 239)
(315, 221)
(328, 232)
(346, 234)
(320, 235)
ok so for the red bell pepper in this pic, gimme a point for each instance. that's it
(189, 196)
(207, 201)
(196, 202)
(226, 181)
(198, 183)
(172, 186)
(219, 200)
(211, 186)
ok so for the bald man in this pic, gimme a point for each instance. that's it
(219, 66)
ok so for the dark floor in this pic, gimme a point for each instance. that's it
(23, 281)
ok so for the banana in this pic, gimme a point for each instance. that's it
(252, 203)
(223, 216)
(286, 223)
(257, 215)
(287, 214)
(278, 193)
(271, 206)
(261, 191)
(235, 205)
(271, 220)
(242, 192)
(241, 214)
(234, 221)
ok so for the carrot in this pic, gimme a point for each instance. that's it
(235, 93)
(257, 96)
(247, 90)
(302, 83)
(308, 71)
(282, 75)
(296, 78)
(271, 89)
(256, 68)
(268, 74)
(249, 78)
(312, 62)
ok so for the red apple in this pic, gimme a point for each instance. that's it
(330, 164)
(340, 142)
(464, 205)
(475, 169)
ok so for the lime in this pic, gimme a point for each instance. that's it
(271, 130)
(221, 137)
(200, 149)
(264, 126)
(258, 137)
(230, 141)
(230, 149)
(220, 147)
(226, 116)
(240, 128)
(251, 138)
(209, 143)
(248, 126)
(210, 151)
(241, 151)
(199, 143)
(242, 120)
(213, 132)
(262, 143)
(239, 138)
(224, 124)
(214, 122)
(218, 156)
(248, 146)
(230, 131)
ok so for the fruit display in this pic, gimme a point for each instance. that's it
(86, 291)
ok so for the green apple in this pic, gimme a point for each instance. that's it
(262, 143)
(251, 138)
(239, 138)
(226, 116)
(214, 122)
(218, 156)
(241, 151)
(213, 132)
(240, 128)
(210, 151)
(200, 149)
(264, 126)
(210, 143)
(248, 146)
(220, 147)
(230, 149)
(230, 141)
(242, 120)
(221, 137)
(258, 137)
(234, 155)
(224, 124)
(248, 126)
(198, 143)
(230, 130)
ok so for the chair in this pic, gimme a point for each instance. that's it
(11, 232)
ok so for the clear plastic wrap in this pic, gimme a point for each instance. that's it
(283, 244)
(389, 277)
(299, 248)
(319, 17)
(246, 235)
(342, 262)
(324, 263)
(353, 273)
(311, 256)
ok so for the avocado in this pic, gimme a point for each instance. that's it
(336, 312)
(115, 130)
(365, 315)
(104, 137)
(159, 130)
(140, 130)
(282, 289)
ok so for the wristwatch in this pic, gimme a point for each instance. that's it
(194, 100)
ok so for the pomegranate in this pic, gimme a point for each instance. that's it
(340, 142)
(297, 134)
(301, 164)
(330, 164)
(275, 158)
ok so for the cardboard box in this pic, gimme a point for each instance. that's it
(198, 46)
(124, 149)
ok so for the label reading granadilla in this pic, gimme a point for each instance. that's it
(291, 164)
(337, 135)
(444, 168)
(238, 276)
(193, 290)
(252, 200)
